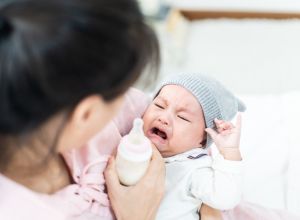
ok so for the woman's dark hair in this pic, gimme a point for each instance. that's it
(53, 53)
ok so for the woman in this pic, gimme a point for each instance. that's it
(65, 66)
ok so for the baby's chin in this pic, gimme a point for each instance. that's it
(163, 152)
(166, 154)
(158, 146)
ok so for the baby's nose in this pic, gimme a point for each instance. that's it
(163, 121)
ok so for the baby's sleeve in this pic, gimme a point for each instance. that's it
(218, 185)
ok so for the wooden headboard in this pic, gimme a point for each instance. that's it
(204, 14)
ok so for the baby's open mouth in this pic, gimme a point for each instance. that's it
(159, 133)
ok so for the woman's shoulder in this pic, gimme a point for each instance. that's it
(134, 106)
(18, 202)
(137, 101)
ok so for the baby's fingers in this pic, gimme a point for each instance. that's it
(213, 134)
(226, 132)
(223, 125)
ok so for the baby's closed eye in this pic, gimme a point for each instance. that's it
(159, 106)
(183, 118)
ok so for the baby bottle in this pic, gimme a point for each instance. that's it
(133, 156)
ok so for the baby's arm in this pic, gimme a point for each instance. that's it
(227, 138)
(219, 186)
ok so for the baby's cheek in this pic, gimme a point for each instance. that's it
(193, 137)
(145, 118)
(146, 124)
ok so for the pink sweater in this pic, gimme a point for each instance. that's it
(86, 199)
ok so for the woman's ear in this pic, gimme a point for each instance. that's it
(89, 116)
(86, 110)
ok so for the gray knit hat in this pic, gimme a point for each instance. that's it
(216, 101)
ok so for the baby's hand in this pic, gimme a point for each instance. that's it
(227, 138)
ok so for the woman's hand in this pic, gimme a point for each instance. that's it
(142, 200)
(227, 138)
(208, 213)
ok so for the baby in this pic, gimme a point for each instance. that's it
(177, 122)
(185, 109)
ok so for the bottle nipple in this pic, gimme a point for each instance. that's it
(136, 135)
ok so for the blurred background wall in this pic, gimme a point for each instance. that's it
(256, 53)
